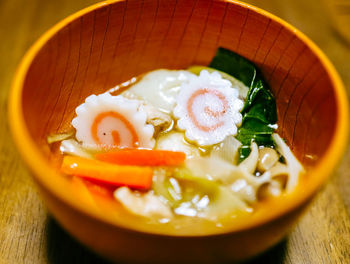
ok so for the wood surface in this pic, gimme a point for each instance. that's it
(29, 235)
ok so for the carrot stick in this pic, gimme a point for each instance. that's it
(132, 176)
(143, 157)
(95, 196)
(82, 192)
(100, 189)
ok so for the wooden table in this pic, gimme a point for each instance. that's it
(29, 235)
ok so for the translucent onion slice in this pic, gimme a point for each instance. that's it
(250, 163)
(59, 137)
(294, 166)
(227, 150)
(72, 147)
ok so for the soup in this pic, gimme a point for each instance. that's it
(181, 148)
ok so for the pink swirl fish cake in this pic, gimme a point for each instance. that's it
(112, 121)
(208, 109)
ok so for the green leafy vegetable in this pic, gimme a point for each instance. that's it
(235, 65)
(259, 110)
(254, 129)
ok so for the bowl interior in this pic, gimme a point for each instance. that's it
(99, 48)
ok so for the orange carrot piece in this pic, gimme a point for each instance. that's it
(100, 189)
(95, 196)
(143, 157)
(131, 176)
(82, 193)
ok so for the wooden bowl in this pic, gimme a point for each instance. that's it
(108, 43)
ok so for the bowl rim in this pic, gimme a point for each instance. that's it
(37, 163)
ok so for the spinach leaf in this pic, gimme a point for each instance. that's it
(243, 152)
(259, 110)
(263, 109)
(235, 65)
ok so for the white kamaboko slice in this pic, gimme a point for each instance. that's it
(208, 108)
(112, 121)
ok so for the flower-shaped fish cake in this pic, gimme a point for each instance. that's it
(208, 109)
(112, 121)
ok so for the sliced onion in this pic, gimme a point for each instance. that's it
(72, 147)
(227, 150)
(294, 166)
(59, 137)
(250, 163)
